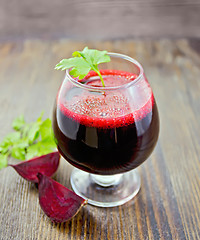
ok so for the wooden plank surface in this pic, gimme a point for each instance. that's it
(97, 19)
(168, 204)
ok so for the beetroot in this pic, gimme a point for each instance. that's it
(46, 164)
(59, 203)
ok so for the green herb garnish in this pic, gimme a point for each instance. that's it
(84, 61)
(27, 141)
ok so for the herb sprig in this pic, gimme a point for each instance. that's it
(27, 141)
(84, 61)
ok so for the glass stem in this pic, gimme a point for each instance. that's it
(106, 180)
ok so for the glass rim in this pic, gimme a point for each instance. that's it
(115, 55)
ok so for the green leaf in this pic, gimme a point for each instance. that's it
(80, 71)
(93, 56)
(18, 123)
(8, 141)
(29, 140)
(80, 67)
(45, 129)
(40, 148)
(49, 142)
(33, 132)
(19, 149)
(46, 146)
(33, 151)
(4, 146)
(69, 63)
(21, 143)
(3, 160)
(39, 120)
(12, 137)
(25, 129)
(18, 153)
(84, 61)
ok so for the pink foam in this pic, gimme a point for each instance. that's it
(109, 122)
(87, 109)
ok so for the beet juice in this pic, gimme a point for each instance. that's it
(106, 131)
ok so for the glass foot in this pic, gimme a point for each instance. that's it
(106, 191)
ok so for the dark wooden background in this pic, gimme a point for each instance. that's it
(168, 204)
(34, 36)
(99, 19)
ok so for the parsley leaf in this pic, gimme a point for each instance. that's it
(4, 146)
(28, 140)
(33, 132)
(32, 151)
(84, 61)
(46, 130)
(18, 152)
(3, 160)
(18, 123)
(12, 137)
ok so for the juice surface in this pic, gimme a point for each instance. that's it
(112, 109)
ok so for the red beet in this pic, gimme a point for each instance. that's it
(58, 202)
(46, 164)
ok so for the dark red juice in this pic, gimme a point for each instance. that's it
(103, 133)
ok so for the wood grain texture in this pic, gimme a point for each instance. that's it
(168, 204)
(99, 19)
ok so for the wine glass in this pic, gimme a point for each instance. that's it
(106, 132)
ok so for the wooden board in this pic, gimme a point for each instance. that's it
(168, 204)
(99, 19)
